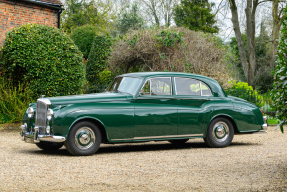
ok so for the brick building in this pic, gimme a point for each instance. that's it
(14, 13)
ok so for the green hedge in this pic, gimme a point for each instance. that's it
(45, 58)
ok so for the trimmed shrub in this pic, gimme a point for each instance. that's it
(84, 37)
(279, 92)
(44, 57)
(171, 49)
(97, 61)
(244, 91)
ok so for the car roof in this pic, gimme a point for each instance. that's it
(211, 82)
(162, 73)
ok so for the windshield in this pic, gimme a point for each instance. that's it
(125, 84)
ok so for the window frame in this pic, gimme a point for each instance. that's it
(200, 82)
(149, 79)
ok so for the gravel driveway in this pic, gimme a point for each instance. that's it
(255, 162)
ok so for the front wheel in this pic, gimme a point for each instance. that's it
(220, 133)
(84, 139)
(49, 146)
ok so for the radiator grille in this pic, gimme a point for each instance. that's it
(41, 113)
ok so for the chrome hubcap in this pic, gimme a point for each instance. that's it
(220, 131)
(85, 138)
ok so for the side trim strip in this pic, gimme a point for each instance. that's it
(158, 137)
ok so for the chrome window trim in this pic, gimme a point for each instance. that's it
(149, 78)
(207, 87)
(200, 88)
(195, 80)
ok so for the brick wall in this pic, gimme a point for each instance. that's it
(16, 13)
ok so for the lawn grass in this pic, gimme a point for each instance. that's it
(272, 121)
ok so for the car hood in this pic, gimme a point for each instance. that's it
(89, 98)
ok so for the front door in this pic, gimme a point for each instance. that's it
(155, 110)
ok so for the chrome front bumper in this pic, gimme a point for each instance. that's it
(35, 137)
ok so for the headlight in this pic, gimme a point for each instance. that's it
(48, 129)
(30, 112)
(50, 114)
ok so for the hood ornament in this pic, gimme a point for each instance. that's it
(42, 96)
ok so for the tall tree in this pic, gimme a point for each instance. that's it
(167, 11)
(81, 12)
(158, 11)
(195, 15)
(129, 19)
(248, 62)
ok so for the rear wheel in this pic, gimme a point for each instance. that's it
(84, 139)
(219, 133)
(49, 146)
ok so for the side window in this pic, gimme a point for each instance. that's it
(205, 90)
(146, 88)
(188, 86)
(157, 86)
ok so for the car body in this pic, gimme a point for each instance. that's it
(139, 107)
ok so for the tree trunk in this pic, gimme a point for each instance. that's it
(277, 22)
(248, 65)
(250, 32)
(240, 43)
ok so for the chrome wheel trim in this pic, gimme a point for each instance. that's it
(85, 138)
(220, 131)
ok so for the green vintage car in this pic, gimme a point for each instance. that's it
(140, 107)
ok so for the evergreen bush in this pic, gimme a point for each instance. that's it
(263, 81)
(97, 60)
(279, 92)
(45, 58)
(83, 37)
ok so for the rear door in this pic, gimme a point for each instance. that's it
(191, 97)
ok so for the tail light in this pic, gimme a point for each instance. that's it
(262, 111)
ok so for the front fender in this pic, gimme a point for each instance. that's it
(117, 120)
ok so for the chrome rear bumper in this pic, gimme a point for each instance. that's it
(35, 137)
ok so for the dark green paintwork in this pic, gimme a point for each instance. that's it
(125, 117)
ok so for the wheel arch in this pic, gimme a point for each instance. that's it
(96, 122)
(227, 117)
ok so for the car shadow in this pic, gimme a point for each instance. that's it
(153, 146)
(137, 147)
